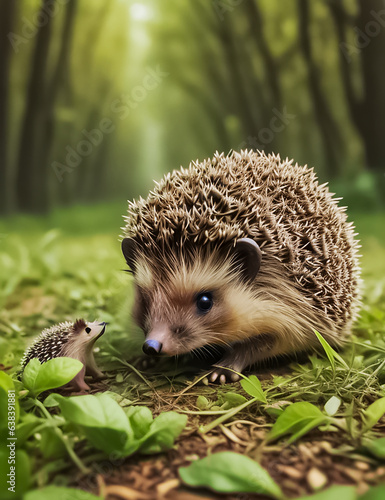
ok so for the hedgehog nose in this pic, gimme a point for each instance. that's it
(152, 347)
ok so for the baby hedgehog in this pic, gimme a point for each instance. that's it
(244, 251)
(73, 340)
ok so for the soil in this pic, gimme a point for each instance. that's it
(300, 469)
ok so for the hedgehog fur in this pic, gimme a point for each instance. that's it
(74, 340)
(191, 221)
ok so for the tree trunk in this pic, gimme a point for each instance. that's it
(327, 126)
(256, 28)
(373, 74)
(31, 186)
(6, 22)
(368, 112)
(60, 81)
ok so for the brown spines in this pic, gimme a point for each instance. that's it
(279, 204)
(49, 344)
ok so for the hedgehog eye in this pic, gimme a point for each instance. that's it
(88, 329)
(204, 302)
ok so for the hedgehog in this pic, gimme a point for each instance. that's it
(73, 340)
(244, 252)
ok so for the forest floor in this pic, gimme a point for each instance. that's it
(51, 275)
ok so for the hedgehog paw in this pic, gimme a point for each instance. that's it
(224, 376)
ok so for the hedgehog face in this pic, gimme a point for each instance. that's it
(185, 305)
(83, 337)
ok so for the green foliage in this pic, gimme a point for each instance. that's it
(101, 420)
(6, 385)
(49, 276)
(253, 387)
(373, 413)
(228, 472)
(39, 377)
(22, 473)
(332, 355)
(108, 428)
(375, 493)
(334, 493)
(50, 492)
(376, 447)
(297, 420)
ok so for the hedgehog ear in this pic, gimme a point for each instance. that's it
(79, 325)
(129, 252)
(249, 256)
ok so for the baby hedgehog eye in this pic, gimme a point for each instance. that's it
(204, 302)
(88, 329)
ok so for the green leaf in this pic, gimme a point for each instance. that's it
(8, 395)
(297, 419)
(30, 373)
(61, 493)
(202, 403)
(27, 426)
(22, 471)
(232, 400)
(253, 387)
(375, 493)
(376, 447)
(52, 374)
(101, 420)
(229, 472)
(331, 353)
(373, 413)
(163, 432)
(51, 401)
(51, 446)
(336, 492)
(140, 418)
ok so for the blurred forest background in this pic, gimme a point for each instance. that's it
(99, 98)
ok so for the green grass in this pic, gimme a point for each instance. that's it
(69, 265)
(60, 267)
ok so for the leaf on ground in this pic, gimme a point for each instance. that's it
(336, 492)
(232, 400)
(100, 418)
(332, 405)
(140, 418)
(61, 493)
(373, 413)
(39, 377)
(375, 493)
(110, 429)
(163, 431)
(297, 419)
(376, 447)
(252, 386)
(202, 403)
(229, 472)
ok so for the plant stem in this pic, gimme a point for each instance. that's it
(228, 415)
(63, 438)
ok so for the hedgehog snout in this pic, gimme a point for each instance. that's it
(157, 340)
(152, 347)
